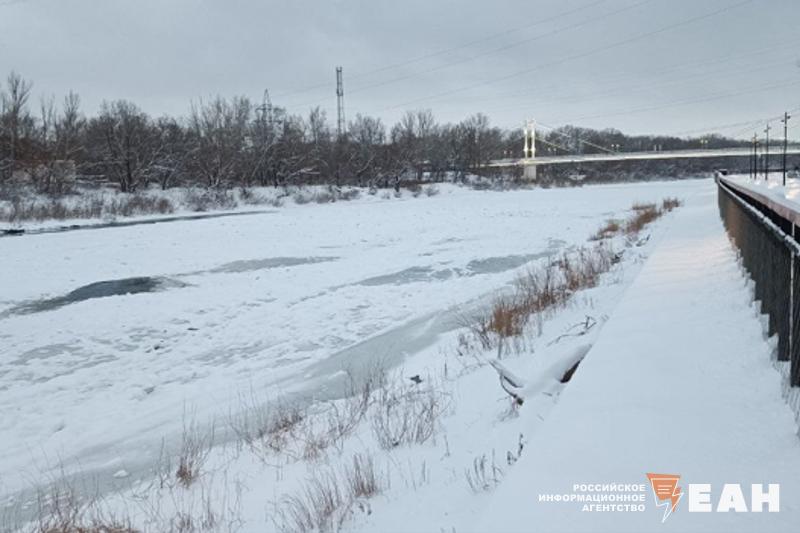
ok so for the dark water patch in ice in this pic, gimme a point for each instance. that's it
(16, 232)
(488, 265)
(495, 265)
(409, 275)
(100, 289)
(250, 265)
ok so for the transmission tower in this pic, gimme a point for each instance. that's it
(265, 110)
(340, 123)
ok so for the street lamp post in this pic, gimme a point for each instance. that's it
(766, 153)
(786, 117)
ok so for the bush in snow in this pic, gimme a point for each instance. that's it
(407, 414)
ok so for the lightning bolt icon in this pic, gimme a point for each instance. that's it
(666, 492)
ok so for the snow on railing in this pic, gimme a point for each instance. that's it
(764, 234)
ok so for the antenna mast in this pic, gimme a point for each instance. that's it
(340, 122)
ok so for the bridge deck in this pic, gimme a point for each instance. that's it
(636, 156)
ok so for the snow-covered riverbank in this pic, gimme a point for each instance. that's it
(271, 304)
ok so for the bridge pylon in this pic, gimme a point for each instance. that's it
(529, 150)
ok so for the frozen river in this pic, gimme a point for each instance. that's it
(108, 337)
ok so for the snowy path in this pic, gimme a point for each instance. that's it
(680, 382)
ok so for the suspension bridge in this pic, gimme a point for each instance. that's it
(530, 161)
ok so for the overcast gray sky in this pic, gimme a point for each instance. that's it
(657, 66)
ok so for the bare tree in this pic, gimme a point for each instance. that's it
(16, 119)
(68, 128)
(320, 147)
(127, 144)
(367, 136)
(170, 161)
(218, 135)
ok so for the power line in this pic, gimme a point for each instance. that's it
(581, 140)
(582, 55)
(628, 90)
(446, 51)
(790, 44)
(485, 53)
(504, 47)
(752, 90)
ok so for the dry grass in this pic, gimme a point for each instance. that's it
(328, 497)
(360, 477)
(551, 286)
(540, 290)
(643, 214)
(405, 415)
(61, 509)
(609, 229)
(640, 219)
(638, 206)
(195, 448)
(270, 429)
(483, 476)
(267, 428)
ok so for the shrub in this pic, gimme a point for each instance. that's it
(406, 415)
(431, 190)
(669, 204)
(208, 199)
(88, 206)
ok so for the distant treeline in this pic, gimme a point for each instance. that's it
(228, 142)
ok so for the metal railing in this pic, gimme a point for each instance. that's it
(769, 253)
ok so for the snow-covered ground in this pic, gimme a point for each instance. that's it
(278, 305)
(681, 381)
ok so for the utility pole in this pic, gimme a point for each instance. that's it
(786, 117)
(753, 173)
(766, 153)
(755, 156)
(340, 123)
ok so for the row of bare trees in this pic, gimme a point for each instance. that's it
(226, 142)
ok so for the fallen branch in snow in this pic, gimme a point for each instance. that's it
(585, 326)
(510, 383)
